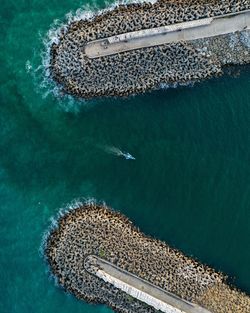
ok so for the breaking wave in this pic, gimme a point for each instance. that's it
(41, 74)
(53, 221)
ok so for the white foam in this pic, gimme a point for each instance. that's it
(28, 66)
(53, 221)
(176, 85)
(53, 224)
(87, 12)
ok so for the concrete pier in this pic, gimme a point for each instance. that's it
(186, 31)
(139, 288)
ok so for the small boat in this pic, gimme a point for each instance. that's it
(127, 156)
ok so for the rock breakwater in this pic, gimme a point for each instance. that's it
(92, 229)
(143, 69)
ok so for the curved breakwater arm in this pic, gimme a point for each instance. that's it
(155, 275)
(138, 47)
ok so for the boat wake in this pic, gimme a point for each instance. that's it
(118, 152)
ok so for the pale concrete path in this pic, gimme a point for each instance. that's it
(140, 288)
(202, 28)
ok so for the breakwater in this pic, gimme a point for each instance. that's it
(143, 69)
(92, 229)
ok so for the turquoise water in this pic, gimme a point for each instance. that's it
(189, 184)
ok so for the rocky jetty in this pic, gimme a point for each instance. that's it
(140, 70)
(92, 229)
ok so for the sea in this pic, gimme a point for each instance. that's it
(188, 184)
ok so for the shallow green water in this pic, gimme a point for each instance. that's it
(189, 184)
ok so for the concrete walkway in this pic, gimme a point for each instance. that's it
(139, 288)
(197, 29)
